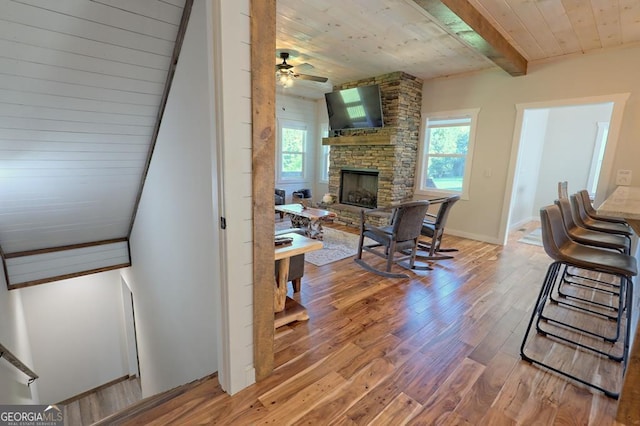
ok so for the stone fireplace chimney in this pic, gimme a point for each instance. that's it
(391, 150)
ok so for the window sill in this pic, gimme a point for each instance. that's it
(434, 193)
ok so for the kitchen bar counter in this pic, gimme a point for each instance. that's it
(625, 202)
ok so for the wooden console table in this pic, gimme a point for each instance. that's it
(286, 309)
(625, 202)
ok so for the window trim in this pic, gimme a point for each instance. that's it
(299, 125)
(325, 152)
(471, 113)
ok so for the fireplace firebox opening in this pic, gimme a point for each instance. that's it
(359, 187)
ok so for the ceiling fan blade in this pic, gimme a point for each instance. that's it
(305, 67)
(311, 78)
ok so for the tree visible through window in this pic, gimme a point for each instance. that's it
(293, 149)
(446, 154)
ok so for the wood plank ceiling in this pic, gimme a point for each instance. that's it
(347, 40)
(81, 84)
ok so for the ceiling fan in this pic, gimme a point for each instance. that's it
(286, 75)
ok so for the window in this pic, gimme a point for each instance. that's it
(447, 151)
(293, 147)
(326, 149)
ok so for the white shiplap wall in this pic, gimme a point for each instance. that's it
(80, 88)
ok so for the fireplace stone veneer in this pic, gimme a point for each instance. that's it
(391, 150)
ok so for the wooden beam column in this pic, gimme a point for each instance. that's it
(263, 111)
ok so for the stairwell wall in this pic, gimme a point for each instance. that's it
(174, 274)
(76, 334)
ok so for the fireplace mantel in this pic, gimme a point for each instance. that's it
(387, 137)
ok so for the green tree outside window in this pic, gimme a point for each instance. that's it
(293, 152)
(448, 143)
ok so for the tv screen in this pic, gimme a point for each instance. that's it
(356, 108)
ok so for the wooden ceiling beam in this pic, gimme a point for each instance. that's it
(462, 20)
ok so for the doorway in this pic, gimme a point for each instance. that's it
(572, 140)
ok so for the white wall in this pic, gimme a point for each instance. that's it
(232, 75)
(531, 145)
(496, 94)
(174, 274)
(568, 149)
(293, 108)
(76, 332)
(14, 336)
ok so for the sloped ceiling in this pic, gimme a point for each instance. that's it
(81, 84)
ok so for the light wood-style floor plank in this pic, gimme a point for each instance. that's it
(441, 347)
(103, 402)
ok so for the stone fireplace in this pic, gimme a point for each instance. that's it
(391, 151)
(359, 188)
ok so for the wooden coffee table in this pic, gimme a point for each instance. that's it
(307, 218)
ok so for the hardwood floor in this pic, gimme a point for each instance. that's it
(439, 348)
(102, 403)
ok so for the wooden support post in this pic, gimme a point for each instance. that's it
(263, 47)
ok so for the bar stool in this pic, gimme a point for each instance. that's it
(565, 252)
(594, 239)
(592, 213)
(611, 288)
(583, 219)
(563, 189)
(590, 237)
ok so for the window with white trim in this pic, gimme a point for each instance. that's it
(326, 150)
(447, 152)
(292, 150)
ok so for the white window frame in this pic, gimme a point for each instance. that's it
(421, 165)
(298, 125)
(324, 154)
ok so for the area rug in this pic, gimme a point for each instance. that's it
(338, 245)
(534, 237)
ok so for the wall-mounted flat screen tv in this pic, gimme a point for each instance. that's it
(356, 108)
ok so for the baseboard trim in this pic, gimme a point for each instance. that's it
(470, 236)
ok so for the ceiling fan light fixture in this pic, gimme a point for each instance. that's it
(285, 74)
(285, 79)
